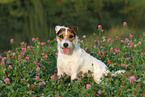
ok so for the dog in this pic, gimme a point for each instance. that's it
(72, 58)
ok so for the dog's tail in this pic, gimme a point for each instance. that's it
(101, 74)
(114, 73)
(118, 72)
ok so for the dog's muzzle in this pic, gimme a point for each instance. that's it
(65, 48)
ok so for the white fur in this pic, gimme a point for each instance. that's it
(57, 28)
(78, 60)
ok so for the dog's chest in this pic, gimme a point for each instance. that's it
(70, 64)
(67, 67)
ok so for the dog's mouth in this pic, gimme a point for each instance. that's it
(66, 50)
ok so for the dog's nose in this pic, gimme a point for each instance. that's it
(65, 45)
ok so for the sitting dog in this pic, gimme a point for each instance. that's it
(72, 59)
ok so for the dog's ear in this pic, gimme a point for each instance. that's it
(74, 28)
(57, 28)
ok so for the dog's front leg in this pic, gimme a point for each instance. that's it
(75, 69)
(74, 72)
(59, 69)
(59, 72)
(73, 76)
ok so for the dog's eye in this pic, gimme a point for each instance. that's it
(71, 36)
(61, 36)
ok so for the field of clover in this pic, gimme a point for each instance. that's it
(30, 69)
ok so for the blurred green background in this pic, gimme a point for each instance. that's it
(24, 19)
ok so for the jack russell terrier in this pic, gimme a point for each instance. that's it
(72, 59)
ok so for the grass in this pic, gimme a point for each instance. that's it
(30, 70)
(122, 32)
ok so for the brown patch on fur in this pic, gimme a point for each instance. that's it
(70, 36)
(61, 35)
(74, 28)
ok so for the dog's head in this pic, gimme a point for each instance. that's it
(66, 38)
